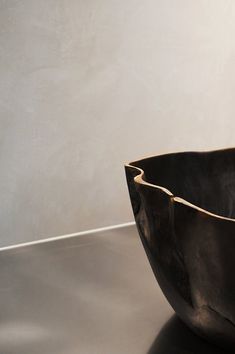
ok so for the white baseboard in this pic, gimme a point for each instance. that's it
(81, 233)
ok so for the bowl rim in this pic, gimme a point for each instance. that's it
(140, 180)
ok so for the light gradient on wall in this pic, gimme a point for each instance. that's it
(88, 85)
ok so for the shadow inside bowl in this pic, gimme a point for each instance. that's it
(176, 338)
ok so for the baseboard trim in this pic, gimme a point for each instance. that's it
(76, 234)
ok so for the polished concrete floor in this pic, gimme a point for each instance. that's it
(91, 294)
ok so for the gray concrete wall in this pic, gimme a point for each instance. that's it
(87, 85)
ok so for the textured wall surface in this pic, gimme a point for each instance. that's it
(87, 85)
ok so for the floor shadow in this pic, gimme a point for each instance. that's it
(176, 338)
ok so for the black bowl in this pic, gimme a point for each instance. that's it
(176, 338)
(184, 207)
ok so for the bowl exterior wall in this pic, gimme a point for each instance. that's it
(192, 256)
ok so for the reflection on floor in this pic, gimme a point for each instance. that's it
(176, 338)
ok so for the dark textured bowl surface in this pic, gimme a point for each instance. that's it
(184, 207)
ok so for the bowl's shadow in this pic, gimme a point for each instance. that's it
(176, 338)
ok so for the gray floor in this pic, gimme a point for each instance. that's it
(91, 294)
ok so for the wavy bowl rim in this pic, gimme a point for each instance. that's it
(139, 179)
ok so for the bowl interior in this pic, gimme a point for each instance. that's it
(206, 179)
